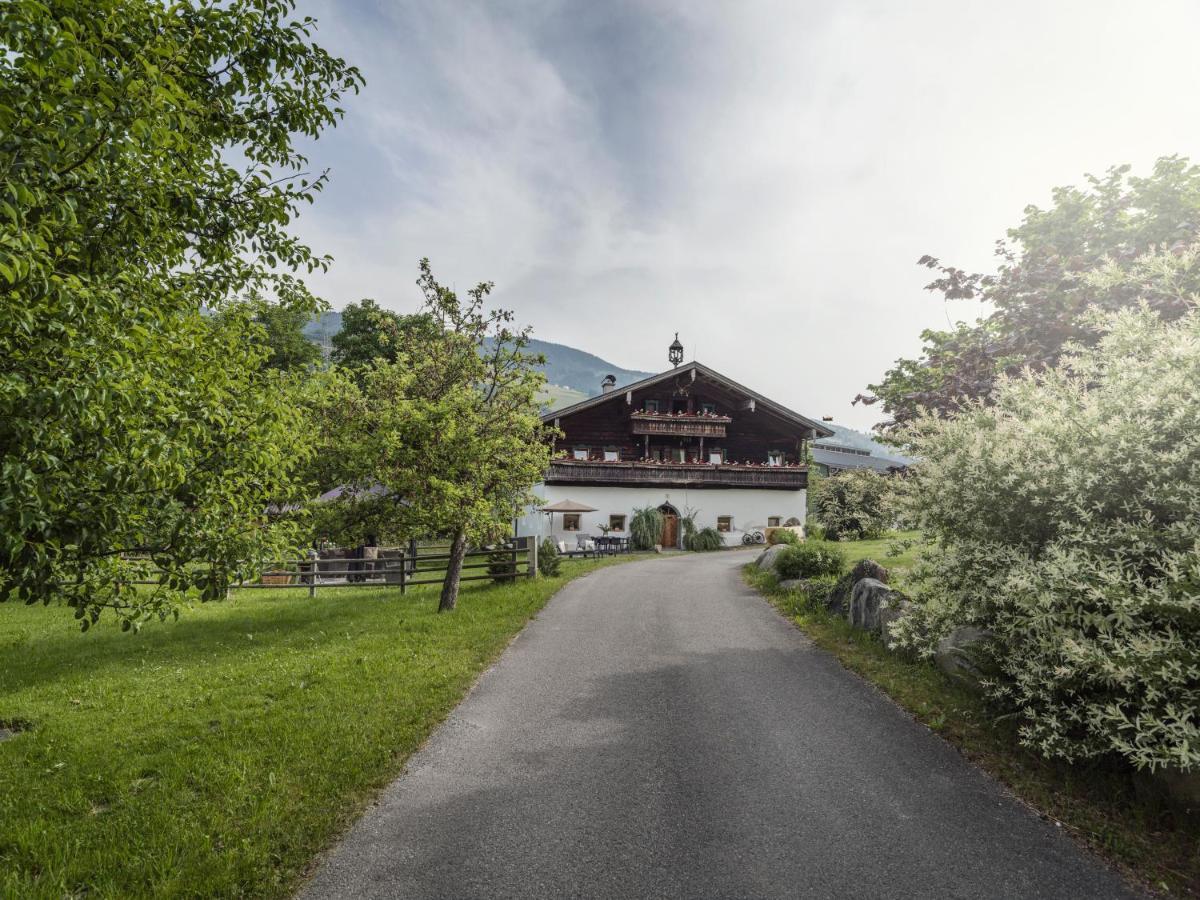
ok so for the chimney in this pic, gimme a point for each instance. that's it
(608, 384)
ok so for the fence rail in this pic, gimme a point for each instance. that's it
(394, 567)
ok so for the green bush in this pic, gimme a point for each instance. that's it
(646, 528)
(704, 540)
(502, 564)
(810, 595)
(853, 505)
(783, 536)
(549, 562)
(814, 532)
(810, 560)
(1064, 517)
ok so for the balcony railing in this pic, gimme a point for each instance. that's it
(644, 473)
(679, 425)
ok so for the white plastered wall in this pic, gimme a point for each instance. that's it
(749, 507)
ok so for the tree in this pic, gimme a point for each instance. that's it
(148, 173)
(853, 505)
(1040, 292)
(283, 328)
(447, 438)
(1063, 519)
(370, 333)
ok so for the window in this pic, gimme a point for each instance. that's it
(616, 523)
(571, 521)
(611, 454)
(716, 457)
(772, 521)
(775, 458)
(679, 406)
(708, 408)
(581, 453)
(725, 523)
(679, 454)
(652, 406)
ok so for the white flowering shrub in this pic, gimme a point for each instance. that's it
(1065, 518)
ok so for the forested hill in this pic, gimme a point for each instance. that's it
(571, 374)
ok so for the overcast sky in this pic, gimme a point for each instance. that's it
(760, 177)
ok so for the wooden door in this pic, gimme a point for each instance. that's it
(670, 535)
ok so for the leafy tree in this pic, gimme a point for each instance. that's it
(447, 439)
(148, 173)
(1040, 293)
(283, 328)
(1064, 519)
(853, 505)
(370, 333)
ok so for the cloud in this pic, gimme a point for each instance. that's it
(760, 177)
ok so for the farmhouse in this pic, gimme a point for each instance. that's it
(689, 441)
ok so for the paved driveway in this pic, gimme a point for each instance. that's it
(660, 731)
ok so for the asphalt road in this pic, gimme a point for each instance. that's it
(660, 731)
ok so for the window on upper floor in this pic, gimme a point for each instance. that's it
(775, 458)
(708, 408)
(716, 457)
(651, 406)
(611, 454)
(581, 453)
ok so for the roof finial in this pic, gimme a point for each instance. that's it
(675, 352)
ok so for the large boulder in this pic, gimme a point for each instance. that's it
(769, 558)
(964, 656)
(838, 600)
(1180, 789)
(868, 596)
(893, 608)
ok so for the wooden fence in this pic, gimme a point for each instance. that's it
(397, 567)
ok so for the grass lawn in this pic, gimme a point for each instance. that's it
(1102, 806)
(214, 756)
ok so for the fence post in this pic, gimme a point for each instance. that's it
(312, 579)
(403, 571)
(533, 552)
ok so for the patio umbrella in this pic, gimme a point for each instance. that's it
(565, 506)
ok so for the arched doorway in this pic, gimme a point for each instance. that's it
(670, 532)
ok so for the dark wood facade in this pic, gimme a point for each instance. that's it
(686, 428)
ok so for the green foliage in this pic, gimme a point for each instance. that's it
(148, 175)
(370, 333)
(502, 565)
(1065, 518)
(813, 531)
(646, 528)
(811, 560)
(704, 540)
(288, 348)
(447, 439)
(549, 562)
(853, 505)
(783, 536)
(1040, 292)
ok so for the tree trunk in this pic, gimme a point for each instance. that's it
(453, 572)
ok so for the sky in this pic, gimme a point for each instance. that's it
(760, 177)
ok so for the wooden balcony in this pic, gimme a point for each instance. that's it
(679, 425)
(676, 475)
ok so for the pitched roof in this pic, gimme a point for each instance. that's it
(769, 405)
